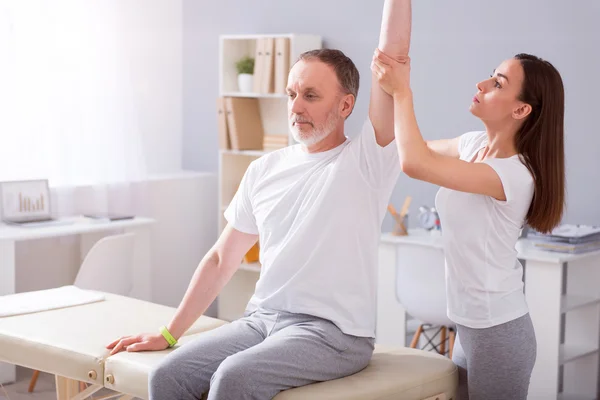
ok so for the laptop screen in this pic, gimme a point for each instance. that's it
(25, 200)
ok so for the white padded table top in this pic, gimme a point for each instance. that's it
(71, 341)
(393, 373)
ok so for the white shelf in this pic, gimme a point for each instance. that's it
(253, 267)
(251, 153)
(569, 353)
(255, 95)
(566, 396)
(569, 303)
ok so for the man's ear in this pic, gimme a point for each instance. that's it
(347, 105)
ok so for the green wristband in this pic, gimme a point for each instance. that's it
(167, 335)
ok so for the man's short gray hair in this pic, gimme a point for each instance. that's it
(343, 66)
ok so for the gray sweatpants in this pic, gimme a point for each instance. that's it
(257, 357)
(495, 363)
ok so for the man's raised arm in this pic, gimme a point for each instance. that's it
(394, 40)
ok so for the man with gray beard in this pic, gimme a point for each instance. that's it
(316, 207)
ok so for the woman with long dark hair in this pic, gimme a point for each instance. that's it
(493, 182)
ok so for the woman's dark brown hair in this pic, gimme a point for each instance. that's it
(540, 141)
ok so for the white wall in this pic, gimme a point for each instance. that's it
(454, 44)
(185, 206)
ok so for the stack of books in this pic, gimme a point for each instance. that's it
(566, 238)
(274, 142)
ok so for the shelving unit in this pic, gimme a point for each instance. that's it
(233, 163)
(564, 301)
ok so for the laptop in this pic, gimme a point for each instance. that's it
(25, 202)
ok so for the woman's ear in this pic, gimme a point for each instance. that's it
(521, 111)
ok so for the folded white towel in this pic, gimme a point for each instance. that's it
(44, 300)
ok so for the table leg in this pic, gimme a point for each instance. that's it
(66, 388)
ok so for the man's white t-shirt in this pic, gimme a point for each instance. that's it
(318, 217)
(484, 278)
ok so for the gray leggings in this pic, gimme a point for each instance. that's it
(495, 363)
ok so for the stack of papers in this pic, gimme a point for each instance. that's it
(568, 239)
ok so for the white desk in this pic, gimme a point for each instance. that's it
(563, 295)
(90, 230)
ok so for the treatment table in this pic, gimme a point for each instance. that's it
(70, 341)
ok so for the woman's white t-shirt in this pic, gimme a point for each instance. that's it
(484, 278)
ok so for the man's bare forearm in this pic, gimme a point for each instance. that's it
(394, 40)
(208, 280)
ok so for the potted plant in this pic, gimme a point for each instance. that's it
(245, 69)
